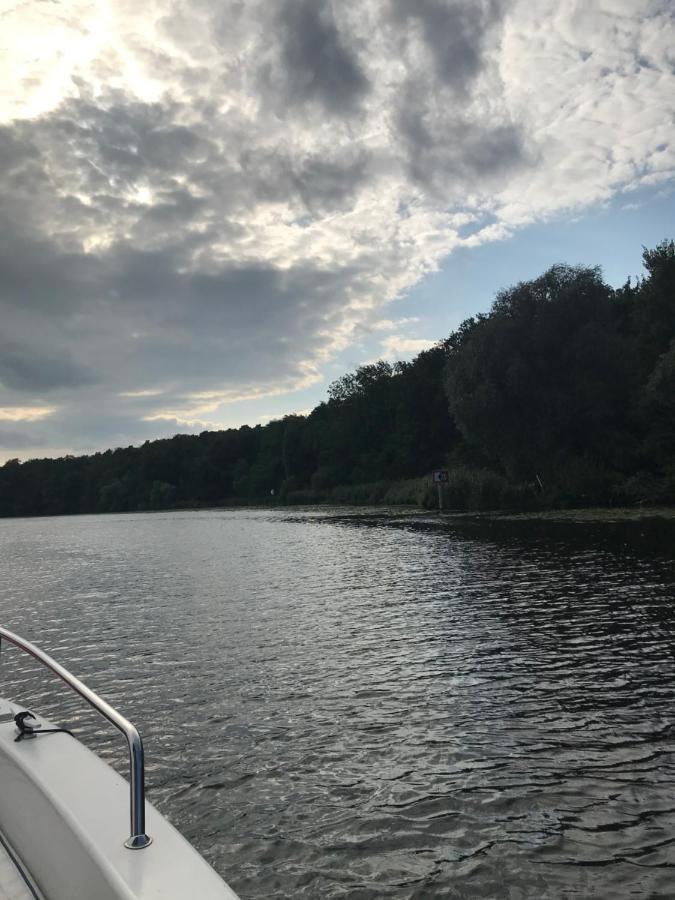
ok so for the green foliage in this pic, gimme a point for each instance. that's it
(543, 376)
(653, 308)
(483, 489)
(410, 492)
(647, 489)
(583, 481)
(658, 406)
(114, 496)
(564, 394)
(571, 382)
(361, 382)
(162, 495)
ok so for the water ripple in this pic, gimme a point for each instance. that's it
(365, 706)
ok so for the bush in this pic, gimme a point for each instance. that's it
(648, 489)
(409, 492)
(305, 497)
(397, 493)
(480, 489)
(581, 481)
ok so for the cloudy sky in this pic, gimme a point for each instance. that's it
(210, 210)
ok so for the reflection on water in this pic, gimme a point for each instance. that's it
(350, 706)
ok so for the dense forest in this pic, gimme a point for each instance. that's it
(563, 394)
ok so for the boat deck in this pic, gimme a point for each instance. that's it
(59, 801)
(14, 883)
(78, 826)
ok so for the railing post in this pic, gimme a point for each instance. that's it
(138, 839)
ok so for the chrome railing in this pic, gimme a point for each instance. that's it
(138, 838)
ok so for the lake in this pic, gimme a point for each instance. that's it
(345, 704)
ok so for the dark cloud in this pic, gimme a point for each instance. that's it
(149, 305)
(454, 31)
(22, 369)
(19, 438)
(322, 183)
(36, 275)
(139, 319)
(84, 163)
(127, 136)
(14, 149)
(448, 144)
(328, 184)
(317, 62)
(451, 151)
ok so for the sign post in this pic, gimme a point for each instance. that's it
(440, 477)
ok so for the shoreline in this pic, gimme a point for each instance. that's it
(578, 515)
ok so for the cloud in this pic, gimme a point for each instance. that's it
(392, 324)
(455, 33)
(13, 439)
(24, 413)
(206, 202)
(81, 427)
(24, 370)
(397, 347)
(316, 62)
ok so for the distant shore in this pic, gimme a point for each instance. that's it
(580, 515)
(595, 514)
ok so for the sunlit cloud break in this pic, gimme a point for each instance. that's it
(25, 413)
(207, 199)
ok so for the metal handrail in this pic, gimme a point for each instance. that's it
(138, 838)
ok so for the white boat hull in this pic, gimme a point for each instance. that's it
(64, 814)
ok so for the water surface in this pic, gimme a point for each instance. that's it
(340, 705)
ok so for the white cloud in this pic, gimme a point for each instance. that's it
(393, 324)
(397, 347)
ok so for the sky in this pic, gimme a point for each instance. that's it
(209, 211)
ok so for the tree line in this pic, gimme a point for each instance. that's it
(563, 394)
